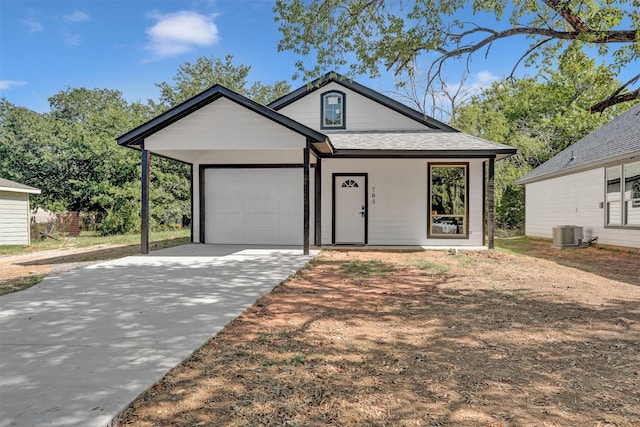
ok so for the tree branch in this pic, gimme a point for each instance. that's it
(613, 100)
(527, 53)
(599, 37)
(617, 97)
(568, 15)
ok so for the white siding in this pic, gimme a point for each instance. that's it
(230, 157)
(399, 214)
(573, 200)
(14, 218)
(223, 125)
(361, 113)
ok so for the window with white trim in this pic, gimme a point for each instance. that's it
(333, 110)
(623, 195)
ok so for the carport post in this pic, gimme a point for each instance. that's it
(318, 202)
(144, 212)
(491, 218)
(305, 240)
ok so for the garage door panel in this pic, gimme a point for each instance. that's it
(254, 206)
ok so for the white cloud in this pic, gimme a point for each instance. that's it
(10, 84)
(33, 25)
(78, 16)
(70, 37)
(485, 78)
(473, 85)
(180, 32)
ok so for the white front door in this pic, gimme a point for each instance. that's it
(350, 209)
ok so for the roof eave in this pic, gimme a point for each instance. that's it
(21, 190)
(382, 153)
(580, 168)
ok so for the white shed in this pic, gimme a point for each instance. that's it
(14, 212)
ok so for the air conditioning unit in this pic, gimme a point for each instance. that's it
(567, 236)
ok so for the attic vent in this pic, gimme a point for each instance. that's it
(567, 236)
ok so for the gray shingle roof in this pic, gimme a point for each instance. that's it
(620, 137)
(428, 140)
(13, 186)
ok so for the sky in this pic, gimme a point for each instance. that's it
(47, 46)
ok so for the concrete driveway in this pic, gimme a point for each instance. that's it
(80, 346)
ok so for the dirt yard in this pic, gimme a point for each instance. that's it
(363, 338)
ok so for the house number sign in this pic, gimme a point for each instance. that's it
(373, 195)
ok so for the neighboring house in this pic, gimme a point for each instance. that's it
(14, 213)
(594, 184)
(333, 162)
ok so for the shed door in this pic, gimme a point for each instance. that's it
(254, 206)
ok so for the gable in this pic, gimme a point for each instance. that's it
(371, 110)
(360, 114)
(224, 125)
(192, 105)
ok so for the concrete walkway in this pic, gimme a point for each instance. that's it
(79, 347)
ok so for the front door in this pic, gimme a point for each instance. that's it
(350, 209)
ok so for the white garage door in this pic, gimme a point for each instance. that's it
(255, 206)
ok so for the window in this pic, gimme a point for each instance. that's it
(350, 184)
(333, 110)
(623, 195)
(614, 204)
(448, 196)
(632, 193)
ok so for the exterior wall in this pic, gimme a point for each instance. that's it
(14, 218)
(361, 113)
(573, 200)
(399, 214)
(222, 125)
(257, 157)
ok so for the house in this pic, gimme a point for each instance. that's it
(594, 184)
(14, 212)
(331, 163)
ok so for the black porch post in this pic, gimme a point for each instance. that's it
(144, 212)
(490, 203)
(318, 205)
(305, 240)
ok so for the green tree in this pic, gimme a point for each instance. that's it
(28, 149)
(374, 34)
(539, 118)
(191, 79)
(70, 155)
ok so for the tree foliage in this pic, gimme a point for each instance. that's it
(71, 155)
(539, 118)
(191, 79)
(369, 35)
